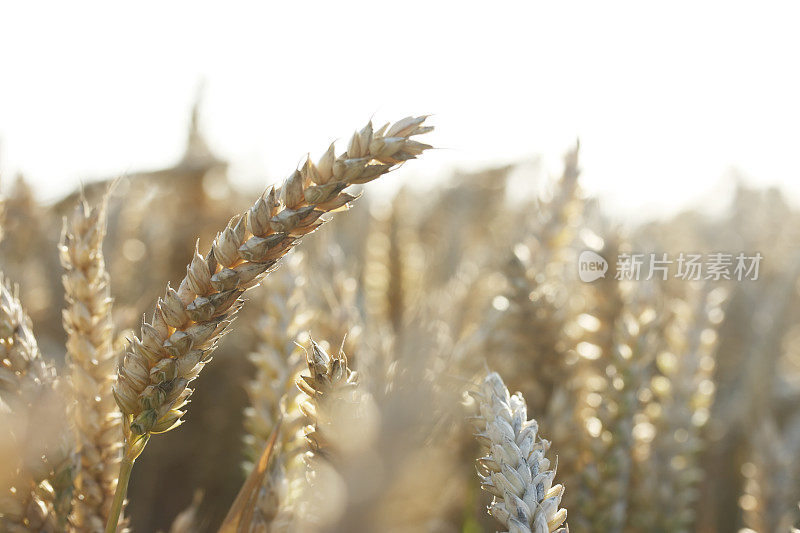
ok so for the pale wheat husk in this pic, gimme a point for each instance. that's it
(283, 319)
(514, 468)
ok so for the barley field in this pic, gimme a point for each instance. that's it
(177, 355)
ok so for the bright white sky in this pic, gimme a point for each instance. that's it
(666, 98)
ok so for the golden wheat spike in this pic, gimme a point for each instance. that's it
(35, 444)
(91, 364)
(153, 379)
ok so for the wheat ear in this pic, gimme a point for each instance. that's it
(768, 499)
(331, 299)
(272, 392)
(2, 215)
(328, 401)
(326, 296)
(37, 494)
(90, 364)
(279, 325)
(515, 470)
(683, 394)
(606, 479)
(330, 382)
(187, 324)
(557, 227)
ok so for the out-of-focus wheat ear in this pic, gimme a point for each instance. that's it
(561, 212)
(525, 336)
(282, 319)
(328, 384)
(612, 400)
(514, 468)
(330, 299)
(531, 327)
(280, 502)
(669, 430)
(327, 403)
(272, 392)
(2, 213)
(525, 327)
(90, 364)
(187, 520)
(36, 445)
(153, 380)
(394, 264)
(768, 500)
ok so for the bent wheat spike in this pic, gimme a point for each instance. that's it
(153, 380)
(515, 470)
(91, 361)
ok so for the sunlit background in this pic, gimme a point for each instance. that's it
(671, 103)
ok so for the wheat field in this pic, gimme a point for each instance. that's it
(428, 361)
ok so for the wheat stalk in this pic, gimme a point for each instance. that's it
(187, 324)
(36, 490)
(515, 470)
(91, 361)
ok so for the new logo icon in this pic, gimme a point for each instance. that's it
(591, 266)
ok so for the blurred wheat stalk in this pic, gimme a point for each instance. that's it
(667, 405)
